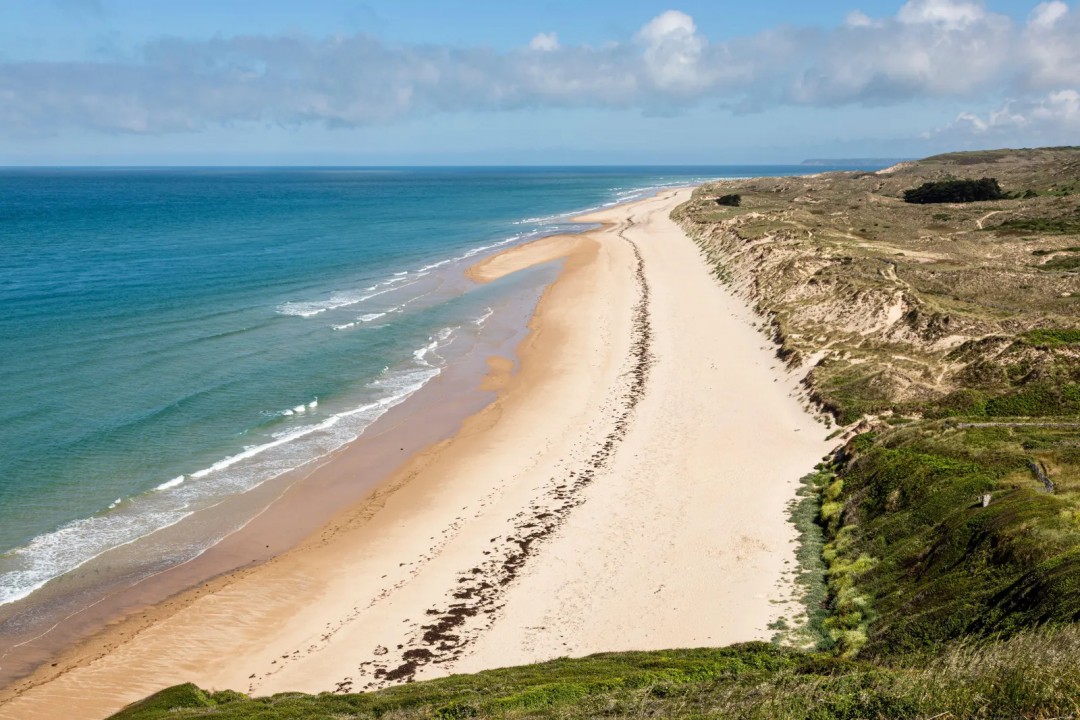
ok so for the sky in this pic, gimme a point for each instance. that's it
(508, 82)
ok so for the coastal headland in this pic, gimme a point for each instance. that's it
(627, 489)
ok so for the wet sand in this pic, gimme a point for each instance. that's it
(626, 489)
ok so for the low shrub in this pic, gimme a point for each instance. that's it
(955, 191)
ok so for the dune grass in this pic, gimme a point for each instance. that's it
(1033, 675)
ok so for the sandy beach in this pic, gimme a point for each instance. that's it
(626, 490)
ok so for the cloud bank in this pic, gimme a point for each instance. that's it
(1055, 115)
(931, 49)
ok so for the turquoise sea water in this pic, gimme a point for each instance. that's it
(170, 337)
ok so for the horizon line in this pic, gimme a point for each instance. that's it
(810, 162)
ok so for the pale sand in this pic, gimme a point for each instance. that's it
(607, 500)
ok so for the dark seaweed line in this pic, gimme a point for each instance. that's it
(481, 590)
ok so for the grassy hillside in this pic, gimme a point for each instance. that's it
(895, 306)
(916, 560)
(1029, 676)
(941, 547)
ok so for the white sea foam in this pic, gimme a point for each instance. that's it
(71, 546)
(340, 300)
(484, 318)
(421, 354)
(477, 250)
(622, 195)
(365, 318)
(49, 555)
(175, 482)
(434, 265)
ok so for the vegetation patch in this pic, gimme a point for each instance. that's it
(1054, 251)
(1066, 263)
(1040, 226)
(955, 191)
(1037, 400)
(809, 631)
(1052, 337)
(1032, 675)
(940, 533)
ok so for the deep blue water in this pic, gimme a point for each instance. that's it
(170, 336)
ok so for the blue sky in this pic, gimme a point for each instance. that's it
(486, 82)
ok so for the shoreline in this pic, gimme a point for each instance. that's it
(279, 514)
(588, 377)
(432, 416)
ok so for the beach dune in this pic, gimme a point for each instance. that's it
(626, 490)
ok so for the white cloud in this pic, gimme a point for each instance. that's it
(544, 42)
(1045, 15)
(857, 19)
(932, 48)
(949, 14)
(1052, 119)
(928, 49)
(673, 52)
(1050, 46)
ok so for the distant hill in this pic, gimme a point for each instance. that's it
(853, 162)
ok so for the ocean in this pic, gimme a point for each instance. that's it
(170, 338)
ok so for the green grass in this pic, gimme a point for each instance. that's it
(1034, 675)
(936, 607)
(919, 562)
(1051, 337)
(1040, 399)
(850, 392)
(1050, 251)
(810, 576)
(1065, 263)
(1039, 226)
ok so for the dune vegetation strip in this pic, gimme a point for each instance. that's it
(1033, 676)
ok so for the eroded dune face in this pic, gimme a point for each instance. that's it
(909, 302)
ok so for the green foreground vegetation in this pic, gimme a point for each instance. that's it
(1029, 676)
(940, 553)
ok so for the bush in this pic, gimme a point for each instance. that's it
(1052, 337)
(1047, 399)
(729, 200)
(1042, 226)
(955, 191)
